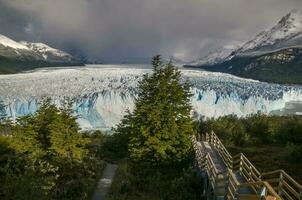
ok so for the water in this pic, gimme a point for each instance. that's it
(291, 108)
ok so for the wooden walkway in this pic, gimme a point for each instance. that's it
(230, 178)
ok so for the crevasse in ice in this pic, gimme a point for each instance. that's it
(102, 95)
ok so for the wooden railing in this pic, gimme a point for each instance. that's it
(283, 184)
(276, 184)
(246, 168)
(213, 139)
(211, 169)
(263, 191)
(199, 154)
(205, 161)
(232, 186)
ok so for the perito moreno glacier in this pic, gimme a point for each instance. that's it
(103, 94)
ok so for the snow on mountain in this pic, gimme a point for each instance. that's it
(214, 57)
(287, 33)
(44, 49)
(102, 94)
(27, 51)
(7, 42)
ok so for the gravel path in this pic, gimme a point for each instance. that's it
(105, 182)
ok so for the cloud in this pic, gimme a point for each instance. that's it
(118, 30)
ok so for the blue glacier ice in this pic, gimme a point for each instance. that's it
(102, 94)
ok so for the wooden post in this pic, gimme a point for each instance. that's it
(240, 164)
(250, 173)
(227, 185)
(263, 193)
(280, 184)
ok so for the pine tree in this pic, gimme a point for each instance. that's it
(50, 131)
(65, 138)
(160, 124)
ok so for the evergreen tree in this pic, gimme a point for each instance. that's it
(52, 152)
(160, 124)
(50, 131)
(64, 136)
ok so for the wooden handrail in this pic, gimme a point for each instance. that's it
(234, 185)
(211, 169)
(247, 169)
(285, 185)
(275, 183)
(223, 152)
(260, 183)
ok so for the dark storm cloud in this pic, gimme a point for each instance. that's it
(117, 30)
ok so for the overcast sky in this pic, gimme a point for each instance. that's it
(118, 30)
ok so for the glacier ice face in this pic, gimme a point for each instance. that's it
(102, 94)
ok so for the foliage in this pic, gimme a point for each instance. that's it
(160, 125)
(135, 183)
(115, 147)
(255, 129)
(45, 157)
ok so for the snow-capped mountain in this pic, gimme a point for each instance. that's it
(287, 33)
(274, 55)
(47, 52)
(17, 56)
(214, 57)
(7, 42)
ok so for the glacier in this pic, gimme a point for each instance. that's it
(103, 93)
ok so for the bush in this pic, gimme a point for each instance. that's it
(136, 183)
(255, 129)
(294, 152)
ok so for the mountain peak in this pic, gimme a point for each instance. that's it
(7, 42)
(216, 56)
(287, 32)
(44, 48)
(24, 53)
(292, 20)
